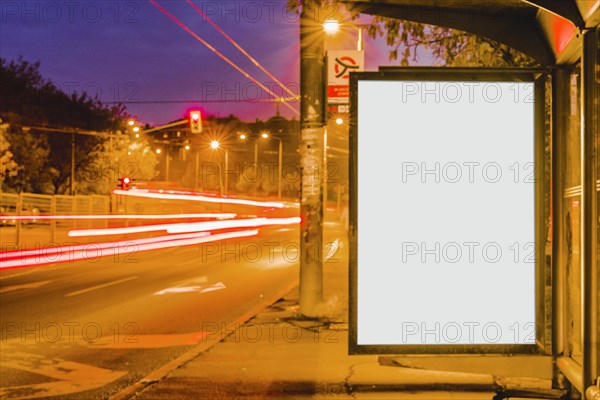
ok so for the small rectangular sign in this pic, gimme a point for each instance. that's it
(340, 63)
(338, 92)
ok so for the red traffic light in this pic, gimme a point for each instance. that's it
(195, 121)
(124, 182)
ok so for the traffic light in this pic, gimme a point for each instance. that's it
(124, 182)
(195, 121)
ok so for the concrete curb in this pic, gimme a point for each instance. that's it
(160, 373)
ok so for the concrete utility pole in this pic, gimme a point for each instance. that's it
(312, 117)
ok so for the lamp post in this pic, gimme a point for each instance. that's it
(72, 187)
(244, 137)
(226, 169)
(214, 145)
(279, 169)
(159, 151)
(196, 170)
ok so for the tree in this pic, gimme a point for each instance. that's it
(30, 154)
(450, 47)
(116, 158)
(8, 167)
(28, 100)
(32, 100)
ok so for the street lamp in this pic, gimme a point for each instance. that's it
(265, 135)
(243, 137)
(215, 145)
(333, 26)
(159, 151)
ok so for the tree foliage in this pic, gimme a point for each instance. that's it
(8, 167)
(32, 100)
(116, 158)
(44, 158)
(449, 47)
(30, 155)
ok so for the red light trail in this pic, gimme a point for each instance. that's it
(64, 254)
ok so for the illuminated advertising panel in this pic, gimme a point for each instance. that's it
(444, 219)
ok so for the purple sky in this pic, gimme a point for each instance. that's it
(128, 50)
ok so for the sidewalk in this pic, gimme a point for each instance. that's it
(277, 354)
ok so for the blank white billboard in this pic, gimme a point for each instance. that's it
(445, 213)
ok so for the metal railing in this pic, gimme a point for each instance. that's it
(33, 205)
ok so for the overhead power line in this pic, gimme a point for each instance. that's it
(76, 131)
(222, 56)
(201, 101)
(237, 46)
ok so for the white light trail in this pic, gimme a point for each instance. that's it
(224, 200)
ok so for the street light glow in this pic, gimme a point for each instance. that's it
(243, 136)
(214, 144)
(158, 151)
(136, 128)
(187, 146)
(137, 135)
(264, 135)
(130, 122)
(331, 26)
(339, 121)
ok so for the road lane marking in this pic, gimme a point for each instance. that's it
(128, 338)
(181, 289)
(178, 251)
(100, 286)
(334, 247)
(8, 275)
(72, 377)
(32, 285)
(188, 262)
(156, 341)
(212, 288)
(189, 289)
(207, 343)
(187, 282)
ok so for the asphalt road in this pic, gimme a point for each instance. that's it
(86, 329)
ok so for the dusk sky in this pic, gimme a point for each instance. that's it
(130, 51)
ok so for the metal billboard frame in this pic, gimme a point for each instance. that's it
(538, 77)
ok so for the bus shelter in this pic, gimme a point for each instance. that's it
(564, 37)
